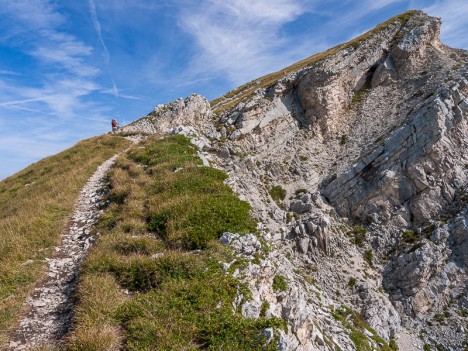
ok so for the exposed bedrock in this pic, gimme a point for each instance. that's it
(416, 171)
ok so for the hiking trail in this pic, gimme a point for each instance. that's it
(51, 304)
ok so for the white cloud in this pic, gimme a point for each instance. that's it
(20, 102)
(245, 39)
(5, 72)
(239, 36)
(454, 14)
(37, 14)
(66, 74)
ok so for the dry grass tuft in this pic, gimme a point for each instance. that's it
(35, 205)
(159, 242)
(100, 337)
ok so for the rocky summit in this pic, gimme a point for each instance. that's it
(355, 163)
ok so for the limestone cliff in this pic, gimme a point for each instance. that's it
(355, 163)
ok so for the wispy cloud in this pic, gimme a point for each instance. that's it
(239, 36)
(52, 46)
(244, 38)
(47, 112)
(119, 93)
(454, 15)
(97, 26)
(20, 102)
(5, 72)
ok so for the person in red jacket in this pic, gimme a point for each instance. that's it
(115, 125)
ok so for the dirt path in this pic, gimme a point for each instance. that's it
(51, 303)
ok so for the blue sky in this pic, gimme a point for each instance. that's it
(68, 67)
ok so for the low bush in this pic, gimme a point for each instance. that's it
(359, 235)
(369, 257)
(278, 194)
(410, 236)
(160, 245)
(280, 283)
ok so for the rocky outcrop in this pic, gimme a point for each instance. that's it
(416, 171)
(366, 150)
(194, 111)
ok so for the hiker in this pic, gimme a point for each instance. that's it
(115, 125)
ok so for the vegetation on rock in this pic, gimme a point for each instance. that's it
(159, 242)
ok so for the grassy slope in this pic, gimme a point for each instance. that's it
(245, 92)
(159, 240)
(34, 208)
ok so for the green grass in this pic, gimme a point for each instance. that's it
(356, 328)
(278, 194)
(359, 235)
(369, 257)
(360, 95)
(280, 283)
(245, 92)
(35, 205)
(393, 345)
(264, 308)
(159, 241)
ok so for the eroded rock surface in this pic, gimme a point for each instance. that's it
(368, 145)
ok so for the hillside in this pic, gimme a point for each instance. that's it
(35, 205)
(322, 207)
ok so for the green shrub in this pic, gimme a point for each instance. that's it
(172, 152)
(359, 235)
(369, 256)
(352, 282)
(280, 283)
(277, 193)
(264, 308)
(344, 139)
(195, 311)
(410, 236)
(393, 345)
(358, 328)
(212, 217)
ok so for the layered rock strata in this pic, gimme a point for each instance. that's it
(368, 146)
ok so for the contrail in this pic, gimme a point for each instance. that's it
(115, 90)
(97, 26)
(19, 102)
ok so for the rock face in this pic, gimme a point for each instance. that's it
(367, 144)
(417, 169)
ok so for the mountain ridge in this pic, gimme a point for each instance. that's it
(354, 166)
(317, 128)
